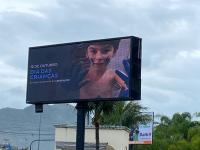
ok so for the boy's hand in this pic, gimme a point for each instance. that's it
(125, 77)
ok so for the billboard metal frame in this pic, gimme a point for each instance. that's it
(134, 79)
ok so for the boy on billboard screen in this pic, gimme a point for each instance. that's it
(101, 81)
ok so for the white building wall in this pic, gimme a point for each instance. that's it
(61, 134)
(117, 138)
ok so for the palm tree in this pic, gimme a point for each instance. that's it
(98, 109)
(116, 113)
(126, 114)
(132, 115)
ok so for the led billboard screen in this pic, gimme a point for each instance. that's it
(108, 69)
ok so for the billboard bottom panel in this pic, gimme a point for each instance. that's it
(140, 142)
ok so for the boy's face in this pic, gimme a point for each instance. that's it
(100, 55)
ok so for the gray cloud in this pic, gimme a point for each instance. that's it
(173, 86)
(169, 30)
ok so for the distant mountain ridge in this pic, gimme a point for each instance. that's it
(21, 126)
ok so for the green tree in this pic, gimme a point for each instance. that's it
(132, 115)
(197, 114)
(180, 145)
(165, 120)
(195, 143)
(194, 137)
(181, 123)
(114, 118)
(116, 113)
(98, 109)
(177, 133)
(125, 114)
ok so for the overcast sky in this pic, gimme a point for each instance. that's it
(170, 32)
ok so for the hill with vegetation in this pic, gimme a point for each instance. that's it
(20, 127)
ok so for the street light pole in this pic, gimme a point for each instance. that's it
(39, 140)
(39, 132)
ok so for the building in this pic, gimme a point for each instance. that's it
(111, 137)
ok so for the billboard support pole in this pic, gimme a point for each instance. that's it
(82, 108)
(130, 146)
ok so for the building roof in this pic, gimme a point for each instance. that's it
(87, 146)
(93, 127)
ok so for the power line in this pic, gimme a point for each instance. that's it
(23, 133)
(27, 129)
(23, 129)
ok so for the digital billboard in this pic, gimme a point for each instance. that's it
(107, 69)
(143, 132)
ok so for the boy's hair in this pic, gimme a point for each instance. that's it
(114, 43)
